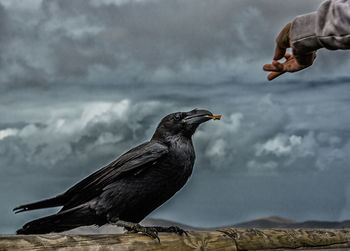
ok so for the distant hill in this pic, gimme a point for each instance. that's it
(268, 222)
(278, 222)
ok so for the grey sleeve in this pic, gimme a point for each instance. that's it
(328, 27)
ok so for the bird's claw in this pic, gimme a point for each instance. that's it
(175, 229)
(148, 231)
(172, 229)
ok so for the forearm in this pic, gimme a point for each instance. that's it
(328, 27)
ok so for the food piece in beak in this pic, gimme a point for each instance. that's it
(215, 117)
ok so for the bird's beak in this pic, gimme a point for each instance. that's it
(199, 116)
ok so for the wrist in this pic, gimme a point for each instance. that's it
(305, 59)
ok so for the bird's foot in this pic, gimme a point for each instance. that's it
(149, 231)
(137, 228)
(172, 229)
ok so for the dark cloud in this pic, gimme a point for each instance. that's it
(84, 81)
(4, 32)
(159, 41)
(266, 138)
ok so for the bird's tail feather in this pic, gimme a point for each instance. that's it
(59, 222)
(52, 202)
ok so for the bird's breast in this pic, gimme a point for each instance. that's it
(179, 161)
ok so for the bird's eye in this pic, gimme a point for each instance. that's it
(177, 117)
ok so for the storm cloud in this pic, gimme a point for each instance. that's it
(83, 81)
(70, 42)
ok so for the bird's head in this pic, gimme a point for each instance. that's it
(182, 123)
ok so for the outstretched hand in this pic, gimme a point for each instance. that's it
(293, 62)
(290, 65)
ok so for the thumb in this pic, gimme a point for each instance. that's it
(279, 53)
(282, 42)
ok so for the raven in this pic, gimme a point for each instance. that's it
(128, 189)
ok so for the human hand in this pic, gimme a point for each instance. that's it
(293, 62)
(290, 65)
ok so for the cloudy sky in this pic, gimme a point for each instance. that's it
(83, 81)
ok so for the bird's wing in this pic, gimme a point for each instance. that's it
(130, 163)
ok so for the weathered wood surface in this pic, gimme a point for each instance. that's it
(224, 239)
(282, 239)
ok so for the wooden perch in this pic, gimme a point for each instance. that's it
(223, 239)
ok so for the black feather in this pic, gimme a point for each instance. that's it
(130, 187)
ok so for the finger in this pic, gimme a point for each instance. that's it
(278, 66)
(279, 53)
(274, 75)
(287, 56)
(269, 67)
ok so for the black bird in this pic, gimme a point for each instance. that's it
(128, 189)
